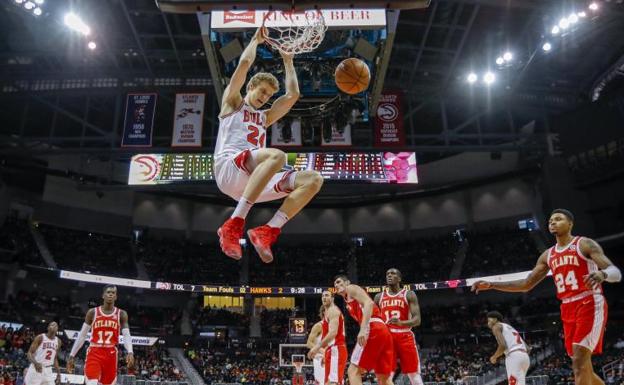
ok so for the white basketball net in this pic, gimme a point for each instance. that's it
(298, 366)
(304, 34)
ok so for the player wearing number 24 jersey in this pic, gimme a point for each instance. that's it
(579, 267)
(105, 322)
(244, 168)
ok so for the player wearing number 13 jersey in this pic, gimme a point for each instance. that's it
(578, 266)
(244, 168)
(400, 310)
(106, 322)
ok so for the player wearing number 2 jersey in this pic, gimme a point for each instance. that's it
(105, 322)
(43, 354)
(400, 310)
(244, 168)
(579, 266)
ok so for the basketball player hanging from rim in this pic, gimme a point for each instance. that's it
(244, 168)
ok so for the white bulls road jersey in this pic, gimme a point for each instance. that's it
(46, 352)
(242, 129)
(512, 339)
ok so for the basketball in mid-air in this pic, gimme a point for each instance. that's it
(352, 76)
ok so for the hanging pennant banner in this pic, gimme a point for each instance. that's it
(338, 137)
(139, 120)
(389, 121)
(188, 120)
(286, 133)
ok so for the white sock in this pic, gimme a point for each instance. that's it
(278, 220)
(242, 208)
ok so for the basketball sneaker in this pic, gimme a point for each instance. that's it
(230, 234)
(262, 237)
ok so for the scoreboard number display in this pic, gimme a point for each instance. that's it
(297, 327)
(350, 167)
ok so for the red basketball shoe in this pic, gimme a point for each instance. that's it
(230, 234)
(262, 237)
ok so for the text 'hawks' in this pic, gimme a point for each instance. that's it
(106, 323)
(564, 260)
(392, 302)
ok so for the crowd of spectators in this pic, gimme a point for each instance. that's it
(17, 244)
(13, 346)
(151, 363)
(423, 259)
(244, 366)
(87, 251)
(499, 252)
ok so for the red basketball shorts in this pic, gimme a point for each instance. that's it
(378, 353)
(584, 322)
(101, 365)
(405, 351)
(335, 362)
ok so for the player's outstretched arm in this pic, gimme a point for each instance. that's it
(497, 330)
(31, 353)
(608, 271)
(536, 276)
(232, 97)
(82, 336)
(125, 331)
(284, 103)
(57, 367)
(358, 294)
(314, 333)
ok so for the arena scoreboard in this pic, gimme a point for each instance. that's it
(297, 327)
(352, 167)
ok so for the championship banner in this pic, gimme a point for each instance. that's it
(286, 133)
(389, 121)
(188, 120)
(338, 137)
(136, 340)
(139, 120)
(342, 18)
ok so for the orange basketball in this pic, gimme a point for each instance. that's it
(352, 76)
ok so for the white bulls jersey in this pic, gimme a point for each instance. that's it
(46, 352)
(512, 339)
(242, 129)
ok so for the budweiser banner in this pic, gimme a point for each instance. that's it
(343, 18)
(286, 133)
(339, 136)
(389, 121)
(187, 120)
(139, 120)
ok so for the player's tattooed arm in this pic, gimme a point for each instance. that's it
(377, 298)
(232, 97)
(608, 271)
(415, 318)
(539, 272)
(31, 353)
(497, 330)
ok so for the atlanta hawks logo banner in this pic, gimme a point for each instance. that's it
(389, 121)
(187, 120)
(139, 120)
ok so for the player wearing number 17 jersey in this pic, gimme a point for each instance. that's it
(105, 322)
(401, 312)
(244, 168)
(578, 266)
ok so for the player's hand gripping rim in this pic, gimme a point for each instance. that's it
(481, 286)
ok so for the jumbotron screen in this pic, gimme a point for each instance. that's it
(354, 167)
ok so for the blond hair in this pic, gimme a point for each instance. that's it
(263, 77)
